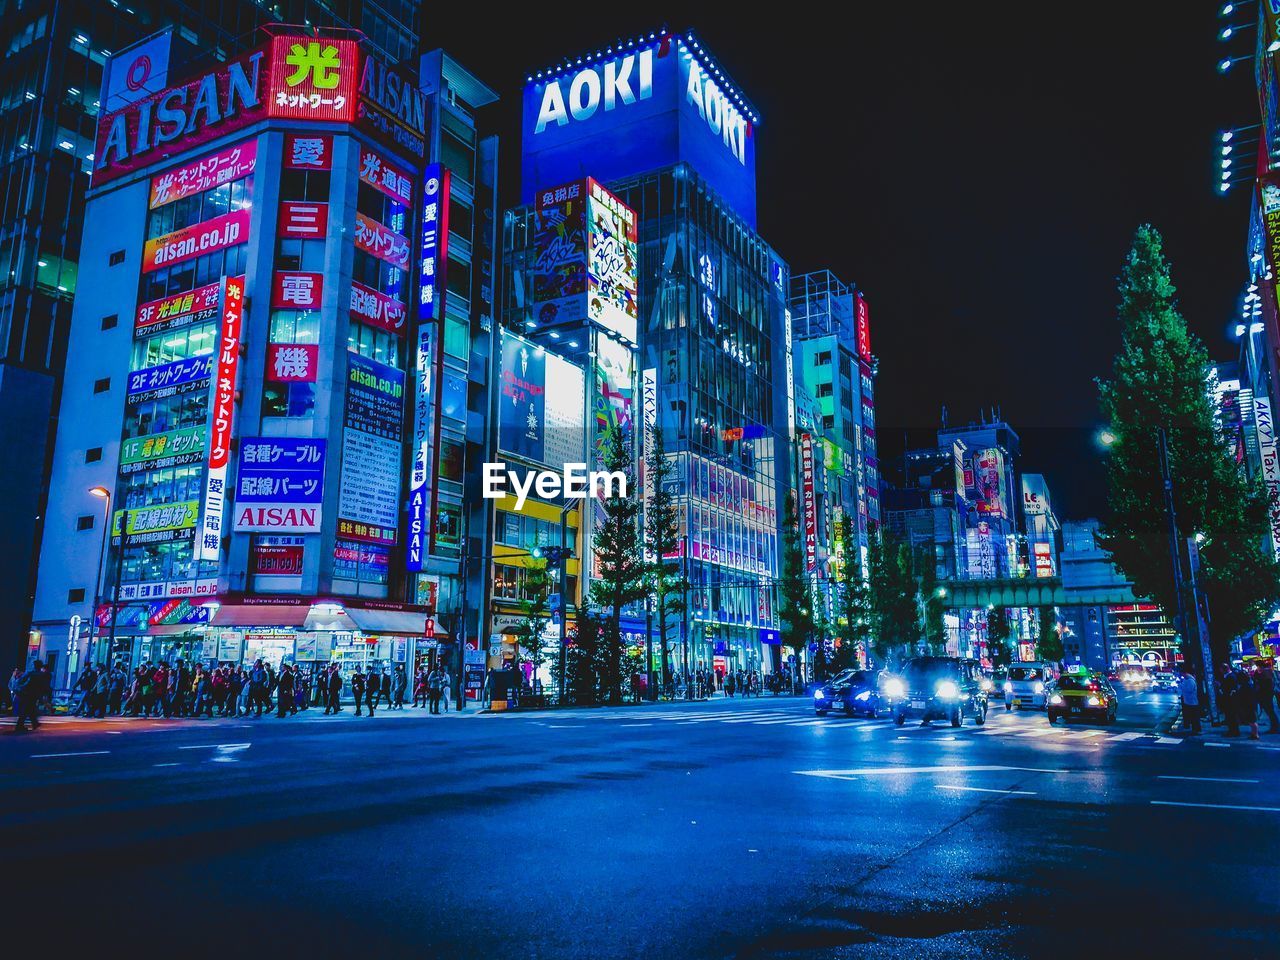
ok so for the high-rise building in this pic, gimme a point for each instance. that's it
(52, 97)
(658, 145)
(278, 388)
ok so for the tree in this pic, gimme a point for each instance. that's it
(619, 562)
(998, 636)
(795, 603)
(1049, 646)
(664, 577)
(895, 607)
(533, 610)
(581, 659)
(853, 604)
(935, 605)
(1159, 387)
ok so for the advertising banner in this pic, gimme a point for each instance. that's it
(382, 242)
(196, 240)
(169, 379)
(294, 289)
(385, 177)
(276, 556)
(1267, 450)
(390, 108)
(222, 409)
(366, 532)
(172, 448)
(612, 400)
(434, 257)
(156, 590)
(303, 220)
(308, 151)
(197, 176)
(378, 309)
(521, 404)
(136, 72)
(419, 521)
(989, 477)
(560, 252)
(370, 486)
(292, 362)
(160, 523)
(1042, 556)
(612, 260)
(179, 310)
(279, 484)
(863, 321)
(314, 79)
(808, 503)
(1035, 495)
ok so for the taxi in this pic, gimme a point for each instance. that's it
(1081, 696)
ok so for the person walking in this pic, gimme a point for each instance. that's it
(399, 685)
(33, 686)
(357, 689)
(284, 692)
(1247, 698)
(84, 686)
(1264, 683)
(384, 691)
(446, 687)
(258, 680)
(333, 691)
(433, 689)
(1190, 695)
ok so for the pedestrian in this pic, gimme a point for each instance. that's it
(357, 688)
(433, 689)
(730, 683)
(101, 693)
(1264, 683)
(400, 685)
(115, 702)
(15, 681)
(284, 692)
(1190, 696)
(84, 686)
(446, 687)
(333, 691)
(32, 687)
(1247, 698)
(385, 689)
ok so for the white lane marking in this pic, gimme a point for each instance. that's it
(756, 718)
(1213, 806)
(216, 746)
(894, 771)
(808, 723)
(1039, 731)
(1168, 739)
(632, 726)
(1087, 734)
(72, 753)
(164, 764)
(1210, 743)
(1126, 736)
(769, 722)
(565, 726)
(1207, 779)
(952, 786)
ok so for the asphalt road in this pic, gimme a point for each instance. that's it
(728, 829)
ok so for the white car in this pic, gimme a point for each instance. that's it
(1025, 685)
(1165, 681)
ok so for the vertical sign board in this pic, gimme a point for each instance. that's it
(435, 243)
(809, 503)
(560, 254)
(864, 327)
(221, 418)
(279, 484)
(649, 416)
(522, 399)
(419, 526)
(1268, 453)
(612, 263)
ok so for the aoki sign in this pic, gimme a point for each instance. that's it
(658, 103)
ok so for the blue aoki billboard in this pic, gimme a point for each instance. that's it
(653, 103)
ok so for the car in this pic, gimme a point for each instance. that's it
(938, 688)
(1080, 696)
(1025, 685)
(1165, 682)
(856, 692)
(1134, 674)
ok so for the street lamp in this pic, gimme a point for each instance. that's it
(1106, 438)
(103, 494)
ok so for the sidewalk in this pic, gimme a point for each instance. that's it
(1217, 734)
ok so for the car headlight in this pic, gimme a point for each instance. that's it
(1056, 699)
(894, 688)
(987, 685)
(1008, 686)
(1039, 687)
(1094, 702)
(819, 695)
(947, 691)
(864, 695)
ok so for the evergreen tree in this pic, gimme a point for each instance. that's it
(895, 603)
(1049, 646)
(533, 610)
(795, 604)
(664, 578)
(998, 636)
(1159, 383)
(581, 660)
(619, 563)
(935, 605)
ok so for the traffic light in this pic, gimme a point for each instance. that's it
(553, 554)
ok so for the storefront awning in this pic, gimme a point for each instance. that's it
(405, 622)
(173, 629)
(260, 615)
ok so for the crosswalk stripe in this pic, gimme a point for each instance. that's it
(1126, 736)
(1168, 739)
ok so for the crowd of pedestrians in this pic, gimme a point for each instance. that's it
(200, 691)
(1243, 693)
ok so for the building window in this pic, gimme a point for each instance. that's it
(93, 455)
(822, 359)
(117, 257)
(102, 386)
(76, 595)
(109, 323)
(824, 390)
(85, 522)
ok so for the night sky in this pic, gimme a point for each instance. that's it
(977, 172)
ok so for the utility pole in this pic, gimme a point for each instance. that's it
(115, 606)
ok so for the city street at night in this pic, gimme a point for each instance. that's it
(735, 828)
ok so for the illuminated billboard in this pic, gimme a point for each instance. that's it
(663, 101)
(611, 263)
(541, 404)
(989, 477)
